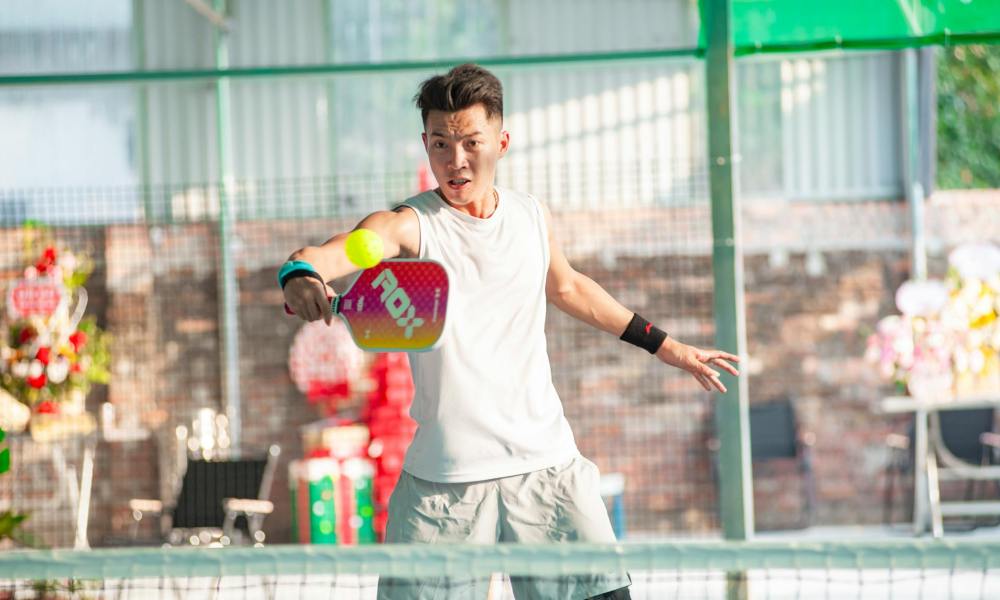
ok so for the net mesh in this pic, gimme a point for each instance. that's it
(689, 570)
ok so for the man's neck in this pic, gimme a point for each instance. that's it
(481, 209)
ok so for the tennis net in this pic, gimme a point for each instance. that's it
(930, 569)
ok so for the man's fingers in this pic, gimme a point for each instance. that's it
(709, 379)
(307, 298)
(714, 354)
(319, 311)
(722, 364)
(308, 310)
(703, 381)
(303, 310)
(298, 308)
(710, 382)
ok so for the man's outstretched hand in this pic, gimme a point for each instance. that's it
(699, 363)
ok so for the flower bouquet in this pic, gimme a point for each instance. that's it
(50, 354)
(971, 312)
(946, 341)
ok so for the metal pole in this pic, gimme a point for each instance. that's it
(731, 415)
(142, 110)
(330, 51)
(363, 68)
(735, 489)
(913, 187)
(228, 292)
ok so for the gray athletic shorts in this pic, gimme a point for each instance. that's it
(558, 504)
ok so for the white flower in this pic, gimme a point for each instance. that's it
(58, 370)
(67, 260)
(20, 369)
(903, 346)
(36, 368)
(921, 298)
(976, 260)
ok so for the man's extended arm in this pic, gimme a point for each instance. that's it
(400, 235)
(582, 298)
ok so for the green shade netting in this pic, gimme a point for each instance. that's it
(782, 25)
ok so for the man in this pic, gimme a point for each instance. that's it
(493, 459)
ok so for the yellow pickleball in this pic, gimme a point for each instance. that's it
(364, 248)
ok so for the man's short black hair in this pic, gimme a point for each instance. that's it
(463, 86)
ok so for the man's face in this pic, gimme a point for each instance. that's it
(463, 148)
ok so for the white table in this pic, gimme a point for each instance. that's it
(928, 509)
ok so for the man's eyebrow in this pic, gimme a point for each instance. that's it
(437, 133)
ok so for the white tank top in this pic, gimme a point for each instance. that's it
(484, 401)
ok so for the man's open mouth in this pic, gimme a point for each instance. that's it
(458, 183)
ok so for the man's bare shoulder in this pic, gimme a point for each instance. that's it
(399, 228)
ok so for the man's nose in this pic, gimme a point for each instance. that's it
(457, 158)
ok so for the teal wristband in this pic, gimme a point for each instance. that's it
(293, 265)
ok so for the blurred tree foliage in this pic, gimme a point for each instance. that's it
(968, 127)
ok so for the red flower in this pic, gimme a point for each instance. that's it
(47, 260)
(78, 339)
(47, 408)
(76, 368)
(37, 382)
(44, 354)
(26, 335)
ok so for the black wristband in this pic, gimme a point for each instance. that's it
(643, 334)
(301, 273)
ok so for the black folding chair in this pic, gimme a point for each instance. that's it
(966, 434)
(220, 502)
(775, 435)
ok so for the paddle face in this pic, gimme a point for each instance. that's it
(397, 305)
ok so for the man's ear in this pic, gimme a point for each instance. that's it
(504, 141)
(423, 138)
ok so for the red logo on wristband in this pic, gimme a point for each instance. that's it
(648, 327)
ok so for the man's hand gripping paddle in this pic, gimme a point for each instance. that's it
(397, 305)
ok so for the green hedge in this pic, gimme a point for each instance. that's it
(968, 89)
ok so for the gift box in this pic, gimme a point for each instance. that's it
(332, 500)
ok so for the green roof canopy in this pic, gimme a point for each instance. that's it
(789, 25)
